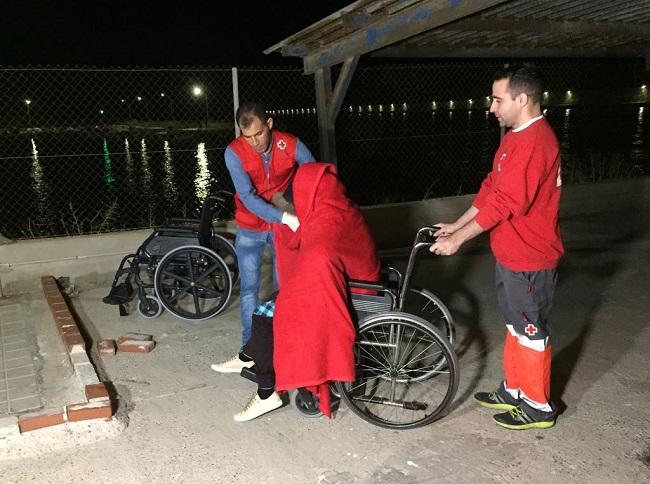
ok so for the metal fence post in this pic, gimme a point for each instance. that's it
(235, 98)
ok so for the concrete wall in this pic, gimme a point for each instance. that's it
(94, 258)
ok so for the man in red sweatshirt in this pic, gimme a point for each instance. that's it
(519, 202)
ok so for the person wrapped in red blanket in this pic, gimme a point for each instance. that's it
(304, 339)
(312, 325)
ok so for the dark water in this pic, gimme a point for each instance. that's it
(68, 183)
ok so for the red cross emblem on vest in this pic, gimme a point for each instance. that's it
(530, 330)
(282, 144)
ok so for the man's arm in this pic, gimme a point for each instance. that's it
(247, 192)
(303, 155)
(449, 245)
(450, 228)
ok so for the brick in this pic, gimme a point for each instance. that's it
(69, 330)
(135, 337)
(96, 392)
(71, 341)
(35, 421)
(135, 346)
(89, 411)
(106, 347)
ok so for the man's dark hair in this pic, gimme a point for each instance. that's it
(523, 78)
(248, 111)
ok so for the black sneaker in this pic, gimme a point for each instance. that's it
(517, 419)
(499, 399)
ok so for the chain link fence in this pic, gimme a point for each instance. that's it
(95, 150)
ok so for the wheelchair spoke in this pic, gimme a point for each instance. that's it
(406, 372)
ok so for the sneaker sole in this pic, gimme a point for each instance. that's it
(228, 370)
(248, 419)
(532, 425)
(496, 406)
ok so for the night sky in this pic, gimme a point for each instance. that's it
(152, 33)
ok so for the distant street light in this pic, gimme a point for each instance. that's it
(128, 107)
(198, 92)
(171, 105)
(140, 99)
(29, 114)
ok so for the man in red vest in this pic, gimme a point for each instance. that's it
(261, 162)
(519, 202)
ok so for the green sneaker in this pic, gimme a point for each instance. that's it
(499, 399)
(517, 419)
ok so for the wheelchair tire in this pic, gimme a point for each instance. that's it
(225, 248)
(397, 384)
(304, 408)
(428, 306)
(193, 282)
(151, 308)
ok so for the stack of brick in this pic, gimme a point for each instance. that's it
(65, 323)
(97, 404)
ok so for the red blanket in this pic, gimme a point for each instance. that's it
(313, 331)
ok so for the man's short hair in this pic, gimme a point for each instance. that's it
(248, 111)
(523, 78)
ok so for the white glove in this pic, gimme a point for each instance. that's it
(290, 220)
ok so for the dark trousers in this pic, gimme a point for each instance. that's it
(260, 348)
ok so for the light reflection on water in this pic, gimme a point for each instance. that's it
(169, 186)
(146, 171)
(41, 189)
(166, 182)
(203, 177)
(108, 168)
(638, 154)
(129, 162)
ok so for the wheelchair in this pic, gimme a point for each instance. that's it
(184, 266)
(407, 372)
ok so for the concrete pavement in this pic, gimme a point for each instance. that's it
(177, 413)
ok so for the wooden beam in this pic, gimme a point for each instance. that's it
(341, 88)
(541, 26)
(442, 51)
(323, 82)
(389, 29)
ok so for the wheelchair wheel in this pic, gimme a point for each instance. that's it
(305, 407)
(150, 308)
(397, 384)
(428, 306)
(193, 282)
(224, 246)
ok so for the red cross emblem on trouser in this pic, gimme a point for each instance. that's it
(530, 330)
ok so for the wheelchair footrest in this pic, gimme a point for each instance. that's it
(249, 374)
(120, 294)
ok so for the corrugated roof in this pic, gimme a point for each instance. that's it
(477, 28)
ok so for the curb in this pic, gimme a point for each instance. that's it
(98, 404)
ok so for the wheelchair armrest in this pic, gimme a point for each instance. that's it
(372, 286)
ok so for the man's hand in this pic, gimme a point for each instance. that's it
(449, 244)
(444, 229)
(291, 221)
(445, 245)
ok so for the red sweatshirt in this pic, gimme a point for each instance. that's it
(520, 198)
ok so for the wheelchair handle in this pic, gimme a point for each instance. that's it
(423, 238)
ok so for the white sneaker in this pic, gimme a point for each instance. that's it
(256, 407)
(233, 365)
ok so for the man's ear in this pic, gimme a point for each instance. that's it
(269, 123)
(522, 99)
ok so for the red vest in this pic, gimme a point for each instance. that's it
(281, 168)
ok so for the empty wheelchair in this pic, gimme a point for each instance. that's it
(184, 266)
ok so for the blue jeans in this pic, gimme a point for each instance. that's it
(249, 245)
